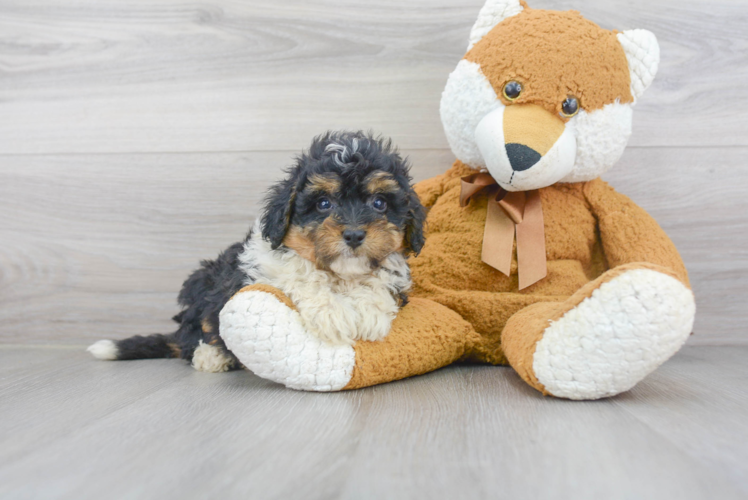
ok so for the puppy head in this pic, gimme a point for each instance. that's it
(346, 205)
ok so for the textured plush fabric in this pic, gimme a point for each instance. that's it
(268, 337)
(424, 336)
(523, 330)
(615, 303)
(627, 327)
(643, 54)
(573, 57)
(475, 313)
(450, 272)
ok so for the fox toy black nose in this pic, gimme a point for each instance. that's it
(521, 157)
(354, 238)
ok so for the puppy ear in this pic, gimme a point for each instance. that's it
(414, 239)
(278, 211)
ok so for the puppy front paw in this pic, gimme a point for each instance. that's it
(261, 328)
(211, 359)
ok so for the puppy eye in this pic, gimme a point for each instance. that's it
(379, 204)
(570, 107)
(512, 90)
(324, 204)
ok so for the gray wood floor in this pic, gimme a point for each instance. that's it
(77, 428)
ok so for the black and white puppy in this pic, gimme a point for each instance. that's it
(334, 237)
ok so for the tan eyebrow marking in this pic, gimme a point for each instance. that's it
(324, 183)
(381, 182)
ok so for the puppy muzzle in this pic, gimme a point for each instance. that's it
(354, 237)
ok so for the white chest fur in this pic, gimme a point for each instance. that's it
(336, 307)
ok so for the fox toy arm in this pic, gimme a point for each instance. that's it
(430, 190)
(629, 234)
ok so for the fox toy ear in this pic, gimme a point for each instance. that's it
(643, 54)
(492, 13)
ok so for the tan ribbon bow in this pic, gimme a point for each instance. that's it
(508, 213)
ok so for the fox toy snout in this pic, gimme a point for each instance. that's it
(524, 144)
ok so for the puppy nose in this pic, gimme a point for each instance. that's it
(521, 157)
(354, 238)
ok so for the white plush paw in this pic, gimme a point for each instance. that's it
(269, 339)
(613, 339)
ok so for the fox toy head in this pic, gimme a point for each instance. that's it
(544, 96)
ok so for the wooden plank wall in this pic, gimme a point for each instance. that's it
(137, 137)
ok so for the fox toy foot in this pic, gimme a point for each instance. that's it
(604, 339)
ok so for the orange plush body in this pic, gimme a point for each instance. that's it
(542, 103)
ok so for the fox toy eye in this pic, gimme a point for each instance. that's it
(570, 107)
(379, 204)
(324, 204)
(512, 90)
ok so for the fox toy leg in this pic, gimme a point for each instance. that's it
(605, 338)
(262, 328)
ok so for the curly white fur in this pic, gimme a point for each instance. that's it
(211, 359)
(352, 303)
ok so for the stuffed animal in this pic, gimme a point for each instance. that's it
(530, 259)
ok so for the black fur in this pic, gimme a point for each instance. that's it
(203, 296)
(414, 229)
(277, 214)
(150, 347)
(288, 204)
(207, 290)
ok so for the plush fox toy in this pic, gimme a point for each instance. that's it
(530, 259)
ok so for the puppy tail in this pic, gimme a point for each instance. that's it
(137, 347)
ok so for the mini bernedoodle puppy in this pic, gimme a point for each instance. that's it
(334, 236)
